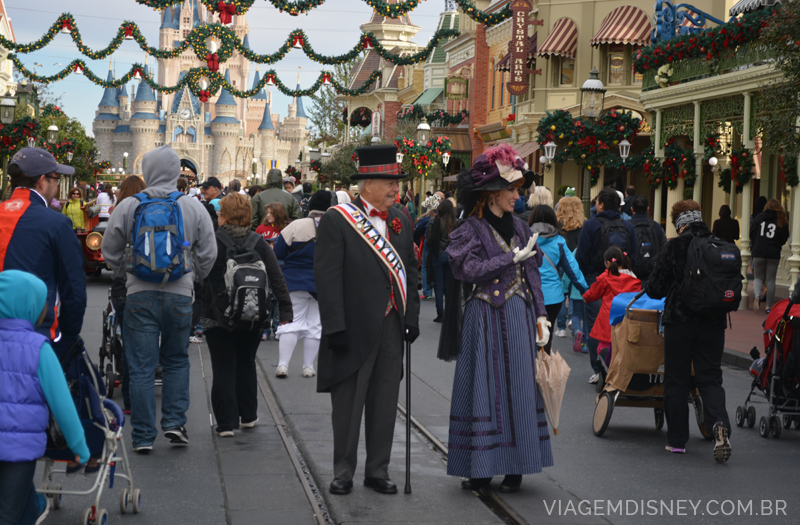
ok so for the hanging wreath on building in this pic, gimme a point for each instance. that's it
(789, 170)
(711, 147)
(315, 166)
(97, 167)
(422, 156)
(740, 171)
(51, 110)
(361, 117)
(291, 171)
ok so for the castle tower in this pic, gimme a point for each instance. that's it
(106, 117)
(255, 108)
(144, 122)
(226, 129)
(122, 97)
(266, 136)
(293, 128)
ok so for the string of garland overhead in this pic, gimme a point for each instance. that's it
(198, 40)
(202, 81)
(298, 7)
(415, 112)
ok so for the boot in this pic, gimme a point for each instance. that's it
(439, 316)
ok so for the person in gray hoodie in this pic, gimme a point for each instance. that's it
(158, 319)
(274, 193)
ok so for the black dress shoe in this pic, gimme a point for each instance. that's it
(384, 486)
(475, 483)
(341, 487)
(511, 483)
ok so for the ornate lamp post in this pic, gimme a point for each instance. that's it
(423, 131)
(125, 162)
(52, 134)
(255, 167)
(593, 94)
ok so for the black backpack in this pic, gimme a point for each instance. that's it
(613, 233)
(304, 205)
(245, 284)
(712, 281)
(647, 248)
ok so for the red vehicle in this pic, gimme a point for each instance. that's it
(91, 240)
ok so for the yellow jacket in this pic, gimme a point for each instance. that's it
(73, 209)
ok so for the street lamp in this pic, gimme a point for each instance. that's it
(255, 167)
(7, 108)
(52, 134)
(31, 142)
(69, 156)
(624, 149)
(593, 93)
(125, 162)
(446, 158)
(399, 157)
(423, 131)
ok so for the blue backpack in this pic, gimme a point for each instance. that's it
(157, 238)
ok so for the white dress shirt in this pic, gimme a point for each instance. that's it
(379, 223)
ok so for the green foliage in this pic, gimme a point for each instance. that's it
(439, 116)
(340, 166)
(740, 172)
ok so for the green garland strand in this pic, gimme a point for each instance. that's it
(242, 6)
(441, 116)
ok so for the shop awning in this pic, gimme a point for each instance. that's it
(624, 25)
(562, 41)
(428, 96)
(745, 6)
(504, 65)
(527, 148)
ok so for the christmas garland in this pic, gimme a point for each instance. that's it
(51, 110)
(740, 172)
(230, 7)
(422, 156)
(291, 171)
(789, 170)
(315, 166)
(711, 147)
(414, 112)
(708, 44)
(14, 136)
(194, 78)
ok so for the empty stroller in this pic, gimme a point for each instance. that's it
(775, 376)
(102, 422)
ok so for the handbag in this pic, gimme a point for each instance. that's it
(55, 438)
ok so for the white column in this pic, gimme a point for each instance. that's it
(794, 260)
(697, 196)
(659, 154)
(746, 206)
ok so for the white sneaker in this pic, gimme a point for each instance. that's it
(561, 333)
(594, 379)
(249, 424)
(569, 324)
(198, 340)
(308, 372)
(282, 371)
(223, 433)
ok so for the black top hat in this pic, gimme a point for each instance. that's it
(378, 162)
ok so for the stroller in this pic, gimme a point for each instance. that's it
(102, 422)
(775, 376)
(635, 375)
(111, 348)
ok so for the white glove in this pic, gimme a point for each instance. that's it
(527, 252)
(542, 330)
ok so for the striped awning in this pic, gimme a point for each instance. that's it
(745, 6)
(562, 41)
(503, 64)
(528, 148)
(624, 25)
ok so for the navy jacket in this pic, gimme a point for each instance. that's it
(642, 217)
(38, 240)
(588, 244)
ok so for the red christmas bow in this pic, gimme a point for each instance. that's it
(225, 12)
(734, 167)
(382, 214)
(78, 68)
(204, 95)
(129, 31)
(298, 41)
(137, 71)
(66, 24)
(213, 61)
(367, 43)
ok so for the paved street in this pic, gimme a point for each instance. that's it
(625, 477)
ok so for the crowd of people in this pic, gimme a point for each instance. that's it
(232, 266)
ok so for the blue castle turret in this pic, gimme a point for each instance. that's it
(300, 111)
(226, 115)
(260, 95)
(145, 102)
(196, 20)
(167, 19)
(110, 93)
(266, 121)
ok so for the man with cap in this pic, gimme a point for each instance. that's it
(212, 192)
(274, 193)
(38, 240)
(366, 276)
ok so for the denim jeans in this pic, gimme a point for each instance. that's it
(148, 315)
(590, 313)
(576, 313)
(426, 288)
(18, 501)
(566, 310)
(119, 307)
(441, 274)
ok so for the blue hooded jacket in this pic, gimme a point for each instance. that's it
(555, 247)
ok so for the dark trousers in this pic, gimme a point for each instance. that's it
(702, 345)
(590, 313)
(373, 391)
(18, 500)
(198, 306)
(441, 274)
(119, 307)
(552, 313)
(234, 389)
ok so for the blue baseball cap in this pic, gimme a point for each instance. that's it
(36, 161)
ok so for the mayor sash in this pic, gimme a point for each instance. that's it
(380, 245)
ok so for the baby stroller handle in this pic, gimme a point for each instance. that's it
(788, 309)
(638, 296)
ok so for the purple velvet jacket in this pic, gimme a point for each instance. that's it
(476, 257)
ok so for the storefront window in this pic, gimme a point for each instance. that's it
(567, 71)
(637, 77)
(616, 70)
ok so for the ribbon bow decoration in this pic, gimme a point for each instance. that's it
(128, 32)
(137, 73)
(204, 95)
(734, 167)
(226, 11)
(367, 43)
(78, 69)
(213, 61)
(66, 24)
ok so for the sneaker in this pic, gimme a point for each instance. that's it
(756, 303)
(308, 372)
(767, 311)
(584, 349)
(74, 469)
(561, 333)
(223, 433)
(142, 449)
(248, 424)
(197, 339)
(177, 435)
(569, 323)
(577, 342)
(282, 371)
(722, 447)
(675, 450)
(265, 336)
(594, 379)
(91, 470)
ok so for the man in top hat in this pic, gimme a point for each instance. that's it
(366, 276)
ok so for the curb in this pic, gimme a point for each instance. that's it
(736, 359)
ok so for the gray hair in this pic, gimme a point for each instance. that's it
(540, 195)
(235, 185)
(361, 184)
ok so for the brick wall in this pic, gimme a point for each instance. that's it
(479, 89)
(390, 118)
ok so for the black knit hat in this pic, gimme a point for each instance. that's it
(321, 201)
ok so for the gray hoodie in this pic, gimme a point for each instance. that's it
(161, 168)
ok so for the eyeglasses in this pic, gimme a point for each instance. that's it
(75, 194)
(57, 177)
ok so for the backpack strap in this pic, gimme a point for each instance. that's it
(250, 241)
(225, 238)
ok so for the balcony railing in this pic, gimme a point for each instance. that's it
(691, 69)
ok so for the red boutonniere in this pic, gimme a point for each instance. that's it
(397, 226)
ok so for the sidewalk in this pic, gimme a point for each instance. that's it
(747, 330)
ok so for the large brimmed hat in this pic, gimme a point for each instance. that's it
(495, 169)
(378, 162)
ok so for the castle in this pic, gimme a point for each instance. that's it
(218, 138)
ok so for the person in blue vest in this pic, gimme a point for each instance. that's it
(38, 240)
(32, 385)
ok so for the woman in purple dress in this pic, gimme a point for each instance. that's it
(497, 420)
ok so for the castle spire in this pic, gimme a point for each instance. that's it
(109, 93)
(266, 121)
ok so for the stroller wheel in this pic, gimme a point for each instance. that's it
(775, 426)
(56, 497)
(763, 427)
(740, 416)
(101, 518)
(123, 501)
(110, 380)
(787, 421)
(136, 501)
(751, 416)
(602, 413)
(87, 513)
(659, 415)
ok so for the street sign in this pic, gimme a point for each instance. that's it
(376, 124)
(518, 83)
(456, 88)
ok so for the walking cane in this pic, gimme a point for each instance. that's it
(408, 418)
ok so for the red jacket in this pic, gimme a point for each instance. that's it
(607, 287)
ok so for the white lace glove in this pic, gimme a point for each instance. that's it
(527, 252)
(542, 330)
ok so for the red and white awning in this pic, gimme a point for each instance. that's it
(624, 25)
(562, 41)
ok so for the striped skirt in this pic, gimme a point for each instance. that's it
(497, 420)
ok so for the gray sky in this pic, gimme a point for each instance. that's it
(332, 28)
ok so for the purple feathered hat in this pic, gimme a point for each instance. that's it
(495, 169)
